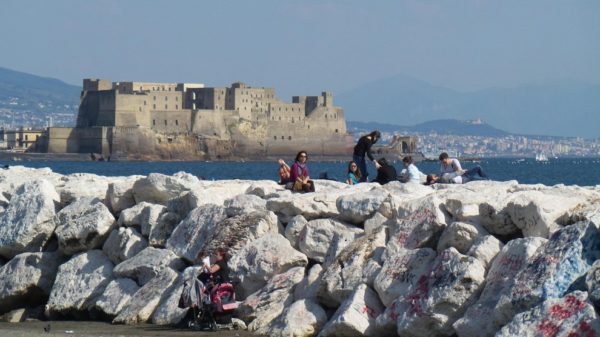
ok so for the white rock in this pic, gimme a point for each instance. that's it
(374, 222)
(401, 271)
(417, 223)
(265, 305)
(78, 283)
(168, 311)
(82, 185)
(244, 203)
(147, 264)
(258, 261)
(150, 216)
(358, 207)
(356, 316)
(189, 236)
(83, 225)
(479, 318)
(320, 204)
(346, 273)
(592, 281)
(318, 234)
(116, 295)
(123, 244)
(119, 194)
(294, 229)
(132, 216)
(566, 257)
(160, 233)
(158, 188)
(540, 214)
(15, 176)
(308, 288)
(27, 280)
(569, 316)
(440, 297)
(485, 248)
(264, 188)
(27, 224)
(145, 301)
(461, 236)
(303, 318)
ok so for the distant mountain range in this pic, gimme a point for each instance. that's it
(559, 108)
(27, 86)
(440, 126)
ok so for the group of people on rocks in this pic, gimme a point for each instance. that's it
(297, 178)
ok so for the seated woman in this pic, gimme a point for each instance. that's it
(299, 174)
(385, 172)
(354, 174)
(284, 172)
(218, 272)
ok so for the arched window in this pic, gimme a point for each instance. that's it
(289, 137)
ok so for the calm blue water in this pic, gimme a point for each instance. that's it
(578, 171)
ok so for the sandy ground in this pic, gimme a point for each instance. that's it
(97, 329)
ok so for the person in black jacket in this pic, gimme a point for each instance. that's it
(385, 172)
(362, 149)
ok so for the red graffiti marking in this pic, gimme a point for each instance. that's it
(394, 312)
(417, 296)
(402, 238)
(369, 311)
(559, 312)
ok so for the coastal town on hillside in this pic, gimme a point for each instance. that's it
(20, 119)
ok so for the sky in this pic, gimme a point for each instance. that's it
(304, 47)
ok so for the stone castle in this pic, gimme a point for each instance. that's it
(189, 121)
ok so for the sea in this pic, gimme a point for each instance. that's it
(568, 171)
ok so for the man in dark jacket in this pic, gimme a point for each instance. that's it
(362, 150)
(385, 172)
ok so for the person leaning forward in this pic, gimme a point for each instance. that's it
(362, 149)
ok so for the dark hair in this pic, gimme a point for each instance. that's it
(444, 155)
(300, 153)
(382, 161)
(407, 159)
(358, 174)
(375, 135)
(429, 180)
(221, 251)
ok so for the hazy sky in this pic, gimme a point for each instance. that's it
(304, 47)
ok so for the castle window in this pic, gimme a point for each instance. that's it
(177, 123)
(308, 126)
(153, 106)
(279, 117)
(337, 131)
(282, 137)
(176, 106)
(165, 122)
(289, 137)
(166, 108)
(275, 137)
(154, 122)
(144, 102)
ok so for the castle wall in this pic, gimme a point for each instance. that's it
(82, 140)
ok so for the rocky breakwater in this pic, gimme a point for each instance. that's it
(480, 259)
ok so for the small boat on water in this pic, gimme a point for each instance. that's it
(541, 157)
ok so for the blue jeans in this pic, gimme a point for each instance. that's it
(476, 173)
(362, 165)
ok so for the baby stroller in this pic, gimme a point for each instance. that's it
(212, 303)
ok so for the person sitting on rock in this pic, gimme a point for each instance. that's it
(461, 177)
(385, 172)
(354, 174)
(284, 172)
(449, 165)
(299, 174)
(411, 172)
(219, 270)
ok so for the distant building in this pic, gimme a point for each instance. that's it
(185, 120)
(21, 139)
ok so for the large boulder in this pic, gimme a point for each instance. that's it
(132, 216)
(309, 287)
(27, 223)
(119, 194)
(78, 283)
(147, 264)
(189, 237)
(317, 235)
(358, 207)
(26, 280)
(258, 261)
(461, 236)
(479, 318)
(485, 249)
(592, 281)
(244, 203)
(123, 244)
(83, 225)
(401, 271)
(12, 179)
(235, 232)
(346, 273)
(304, 318)
(439, 298)
(160, 233)
(115, 296)
(145, 301)
(82, 185)
(570, 316)
(416, 223)
(265, 305)
(356, 316)
(539, 213)
(321, 204)
(168, 311)
(158, 188)
(566, 257)
(294, 229)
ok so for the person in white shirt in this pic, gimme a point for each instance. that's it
(449, 165)
(413, 175)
